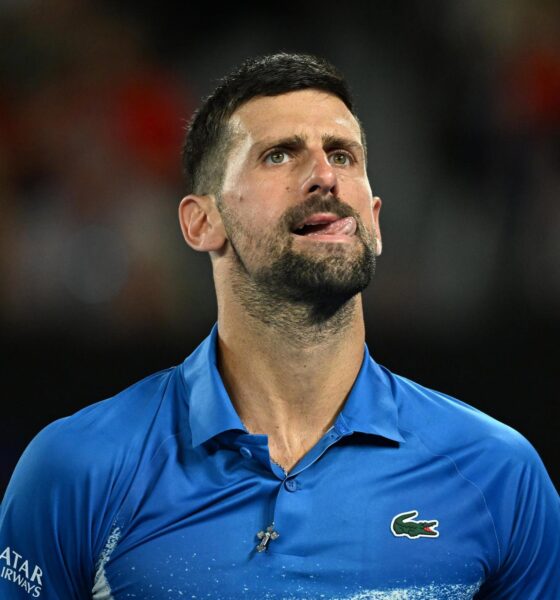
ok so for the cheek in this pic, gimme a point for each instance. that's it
(261, 204)
(356, 184)
(357, 194)
(364, 205)
(256, 226)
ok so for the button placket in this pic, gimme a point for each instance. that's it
(291, 485)
(245, 452)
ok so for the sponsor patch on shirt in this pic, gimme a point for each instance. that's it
(21, 572)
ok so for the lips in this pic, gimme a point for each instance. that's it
(325, 224)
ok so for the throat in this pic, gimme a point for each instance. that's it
(287, 456)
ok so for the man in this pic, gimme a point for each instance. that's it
(279, 460)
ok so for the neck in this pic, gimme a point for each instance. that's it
(288, 375)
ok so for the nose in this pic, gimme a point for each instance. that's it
(321, 177)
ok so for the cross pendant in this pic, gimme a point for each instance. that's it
(265, 537)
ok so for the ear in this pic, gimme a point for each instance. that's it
(376, 208)
(201, 223)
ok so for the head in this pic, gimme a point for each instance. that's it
(210, 135)
(275, 162)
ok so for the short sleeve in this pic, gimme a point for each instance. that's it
(527, 520)
(52, 517)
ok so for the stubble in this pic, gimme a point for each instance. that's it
(308, 294)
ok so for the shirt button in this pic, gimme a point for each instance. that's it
(290, 485)
(245, 452)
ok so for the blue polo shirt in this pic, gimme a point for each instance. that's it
(161, 493)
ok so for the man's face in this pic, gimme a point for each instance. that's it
(296, 201)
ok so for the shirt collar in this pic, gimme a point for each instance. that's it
(370, 407)
(210, 409)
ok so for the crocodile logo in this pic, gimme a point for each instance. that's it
(403, 525)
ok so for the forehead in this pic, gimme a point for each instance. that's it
(304, 111)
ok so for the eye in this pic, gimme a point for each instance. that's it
(276, 157)
(340, 158)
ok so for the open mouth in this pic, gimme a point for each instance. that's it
(428, 529)
(326, 224)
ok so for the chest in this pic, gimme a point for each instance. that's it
(361, 521)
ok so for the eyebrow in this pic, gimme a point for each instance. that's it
(293, 142)
(335, 141)
(297, 142)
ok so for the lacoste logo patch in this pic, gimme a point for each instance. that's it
(404, 525)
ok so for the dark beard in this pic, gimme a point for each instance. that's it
(323, 284)
(319, 286)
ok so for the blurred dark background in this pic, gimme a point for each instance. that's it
(461, 103)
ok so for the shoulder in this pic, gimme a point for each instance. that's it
(103, 438)
(75, 474)
(449, 426)
(491, 456)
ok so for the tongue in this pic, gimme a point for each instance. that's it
(346, 226)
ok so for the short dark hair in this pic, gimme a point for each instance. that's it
(208, 137)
